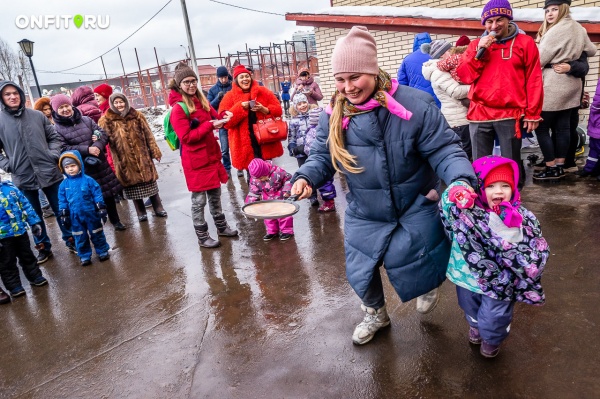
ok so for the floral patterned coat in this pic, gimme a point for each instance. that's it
(277, 186)
(484, 262)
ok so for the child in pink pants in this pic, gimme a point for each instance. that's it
(269, 182)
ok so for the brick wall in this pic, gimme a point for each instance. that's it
(392, 47)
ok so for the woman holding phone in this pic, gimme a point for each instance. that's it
(248, 102)
(305, 84)
(200, 152)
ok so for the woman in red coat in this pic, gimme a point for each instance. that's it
(200, 152)
(242, 143)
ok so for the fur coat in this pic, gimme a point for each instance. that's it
(238, 126)
(133, 147)
(563, 42)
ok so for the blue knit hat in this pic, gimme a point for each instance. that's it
(496, 8)
(222, 72)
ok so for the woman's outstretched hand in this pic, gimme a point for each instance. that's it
(302, 189)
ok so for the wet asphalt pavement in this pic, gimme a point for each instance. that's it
(164, 319)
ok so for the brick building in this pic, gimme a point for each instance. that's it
(394, 35)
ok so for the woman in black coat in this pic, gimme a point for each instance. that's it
(84, 135)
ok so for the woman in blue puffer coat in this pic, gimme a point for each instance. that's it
(392, 143)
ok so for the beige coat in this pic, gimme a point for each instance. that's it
(133, 147)
(564, 42)
(449, 92)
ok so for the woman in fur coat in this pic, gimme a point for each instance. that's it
(560, 40)
(242, 142)
(133, 147)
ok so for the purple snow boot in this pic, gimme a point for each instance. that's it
(474, 336)
(489, 350)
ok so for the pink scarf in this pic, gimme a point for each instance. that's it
(383, 97)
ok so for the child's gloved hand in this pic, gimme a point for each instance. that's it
(65, 218)
(194, 123)
(299, 150)
(102, 212)
(36, 230)
(462, 197)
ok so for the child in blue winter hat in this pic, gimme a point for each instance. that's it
(82, 208)
(15, 214)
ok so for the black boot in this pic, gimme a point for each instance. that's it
(223, 227)
(204, 239)
(157, 205)
(140, 210)
(551, 173)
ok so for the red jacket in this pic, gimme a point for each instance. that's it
(506, 83)
(238, 129)
(200, 152)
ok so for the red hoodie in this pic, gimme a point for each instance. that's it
(506, 83)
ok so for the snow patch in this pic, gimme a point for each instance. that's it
(155, 117)
(580, 14)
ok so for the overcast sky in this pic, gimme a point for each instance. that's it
(212, 24)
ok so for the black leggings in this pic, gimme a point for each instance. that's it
(560, 123)
(111, 209)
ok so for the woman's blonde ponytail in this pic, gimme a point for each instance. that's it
(336, 140)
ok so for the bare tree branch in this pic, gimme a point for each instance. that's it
(9, 62)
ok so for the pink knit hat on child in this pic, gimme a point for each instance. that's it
(355, 52)
(258, 168)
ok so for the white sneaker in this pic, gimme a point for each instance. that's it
(373, 321)
(427, 302)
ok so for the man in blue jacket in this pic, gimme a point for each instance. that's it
(215, 95)
(410, 72)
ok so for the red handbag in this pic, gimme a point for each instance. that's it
(270, 130)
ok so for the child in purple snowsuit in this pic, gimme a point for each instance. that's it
(269, 182)
(327, 190)
(498, 253)
(592, 168)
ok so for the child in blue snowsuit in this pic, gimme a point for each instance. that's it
(15, 214)
(82, 208)
(498, 253)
